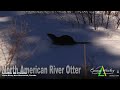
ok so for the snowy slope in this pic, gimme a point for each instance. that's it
(104, 49)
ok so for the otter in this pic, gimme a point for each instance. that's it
(64, 40)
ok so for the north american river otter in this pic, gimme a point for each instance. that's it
(64, 40)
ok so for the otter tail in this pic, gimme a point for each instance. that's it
(83, 42)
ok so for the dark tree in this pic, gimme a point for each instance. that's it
(109, 12)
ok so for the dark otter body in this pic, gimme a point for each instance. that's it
(64, 40)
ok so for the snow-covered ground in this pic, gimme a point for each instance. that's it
(104, 50)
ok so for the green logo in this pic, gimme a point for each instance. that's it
(102, 72)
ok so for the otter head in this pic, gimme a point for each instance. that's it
(52, 36)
